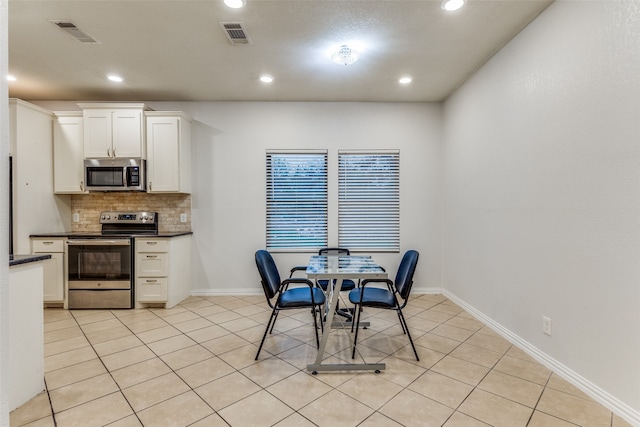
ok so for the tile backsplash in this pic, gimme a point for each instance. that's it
(169, 207)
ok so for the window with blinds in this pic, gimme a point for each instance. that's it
(369, 201)
(296, 201)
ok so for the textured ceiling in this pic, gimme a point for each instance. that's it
(177, 50)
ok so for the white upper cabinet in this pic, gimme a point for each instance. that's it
(168, 152)
(68, 153)
(113, 130)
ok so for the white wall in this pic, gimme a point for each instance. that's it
(541, 181)
(228, 205)
(229, 141)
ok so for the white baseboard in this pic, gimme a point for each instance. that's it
(226, 292)
(601, 396)
(617, 407)
(258, 291)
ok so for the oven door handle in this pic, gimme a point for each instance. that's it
(100, 242)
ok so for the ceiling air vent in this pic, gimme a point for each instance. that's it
(235, 32)
(75, 32)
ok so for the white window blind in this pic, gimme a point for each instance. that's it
(369, 201)
(296, 201)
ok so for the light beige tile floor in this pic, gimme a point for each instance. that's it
(194, 365)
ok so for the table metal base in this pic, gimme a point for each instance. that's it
(341, 324)
(330, 309)
(377, 367)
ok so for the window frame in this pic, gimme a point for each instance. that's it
(357, 197)
(318, 207)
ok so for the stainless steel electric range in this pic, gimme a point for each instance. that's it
(100, 267)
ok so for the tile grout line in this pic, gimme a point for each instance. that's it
(166, 364)
(261, 388)
(419, 309)
(105, 366)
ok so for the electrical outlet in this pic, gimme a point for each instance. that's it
(183, 217)
(546, 325)
(76, 217)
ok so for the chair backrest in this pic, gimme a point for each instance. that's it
(334, 251)
(404, 276)
(268, 273)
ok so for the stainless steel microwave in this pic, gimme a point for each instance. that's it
(115, 174)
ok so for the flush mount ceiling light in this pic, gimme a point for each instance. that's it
(11, 78)
(451, 5)
(115, 78)
(344, 55)
(265, 78)
(405, 80)
(235, 4)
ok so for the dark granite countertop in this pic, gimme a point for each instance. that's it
(93, 235)
(26, 259)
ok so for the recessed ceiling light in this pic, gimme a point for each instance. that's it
(451, 5)
(405, 80)
(11, 78)
(115, 78)
(266, 78)
(235, 4)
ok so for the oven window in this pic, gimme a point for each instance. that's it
(96, 262)
(105, 177)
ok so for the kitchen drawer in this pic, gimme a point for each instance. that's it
(99, 299)
(152, 245)
(151, 289)
(47, 245)
(151, 264)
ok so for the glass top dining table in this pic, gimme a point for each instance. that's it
(338, 268)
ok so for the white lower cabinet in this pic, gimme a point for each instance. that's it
(163, 270)
(53, 286)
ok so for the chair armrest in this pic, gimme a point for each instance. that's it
(364, 283)
(298, 280)
(297, 268)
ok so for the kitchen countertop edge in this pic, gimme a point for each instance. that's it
(26, 259)
(98, 234)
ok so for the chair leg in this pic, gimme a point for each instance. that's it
(319, 310)
(406, 327)
(356, 311)
(274, 321)
(315, 327)
(404, 331)
(355, 337)
(274, 314)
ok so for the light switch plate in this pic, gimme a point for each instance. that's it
(183, 217)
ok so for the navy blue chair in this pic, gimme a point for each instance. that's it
(307, 296)
(378, 297)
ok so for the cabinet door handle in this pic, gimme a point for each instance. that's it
(108, 152)
(47, 243)
(151, 281)
(152, 243)
(114, 151)
(81, 185)
(152, 256)
(150, 187)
